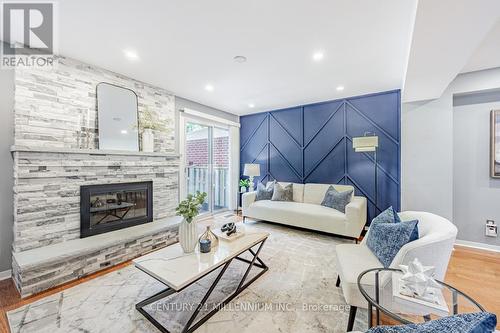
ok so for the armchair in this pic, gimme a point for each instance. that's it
(433, 248)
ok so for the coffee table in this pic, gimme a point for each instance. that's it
(177, 271)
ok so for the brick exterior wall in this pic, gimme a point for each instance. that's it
(221, 152)
(197, 152)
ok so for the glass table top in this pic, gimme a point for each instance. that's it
(405, 309)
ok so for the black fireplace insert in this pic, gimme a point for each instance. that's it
(110, 207)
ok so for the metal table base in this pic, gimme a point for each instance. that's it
(191, 325)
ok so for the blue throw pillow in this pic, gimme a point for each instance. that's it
(387, 216)
(336, 200)
(391, 216)
(481, 322)
(386, 239)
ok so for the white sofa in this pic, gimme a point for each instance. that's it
(433, 248)
(306, 211)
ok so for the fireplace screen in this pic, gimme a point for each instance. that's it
(114, 206)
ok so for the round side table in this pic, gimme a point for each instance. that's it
(376, 286)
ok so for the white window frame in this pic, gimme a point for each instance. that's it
(188, 115)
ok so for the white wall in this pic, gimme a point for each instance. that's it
(6, 178)
(476, 196)
(427, 156)
(427, 146)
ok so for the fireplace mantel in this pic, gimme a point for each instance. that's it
(17, 148)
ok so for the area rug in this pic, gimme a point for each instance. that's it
(297, 294)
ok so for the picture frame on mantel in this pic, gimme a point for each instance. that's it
(495, 144)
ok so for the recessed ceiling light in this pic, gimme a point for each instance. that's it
(130, 54)
(240, 58)
(251, 105)
(123, 131)
(317, 56)
(209, 87)
(340, 88)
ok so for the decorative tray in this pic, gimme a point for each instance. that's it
(240, 231)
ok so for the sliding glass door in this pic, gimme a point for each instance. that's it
(206, 152)
(197, 153)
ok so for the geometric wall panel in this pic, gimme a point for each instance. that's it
(313, 144)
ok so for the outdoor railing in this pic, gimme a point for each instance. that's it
(198, 180)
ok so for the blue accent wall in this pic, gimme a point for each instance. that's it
(313, 144)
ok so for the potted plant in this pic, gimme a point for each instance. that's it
(244, 184)
(189, 209)
(149, 122)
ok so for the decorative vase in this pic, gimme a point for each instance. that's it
(243, 189)
(188, 236)
(209, 235)
(148, 140)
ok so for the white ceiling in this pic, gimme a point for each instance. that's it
(445, 36)
(488, 53)
(368, 46)
(185, 45)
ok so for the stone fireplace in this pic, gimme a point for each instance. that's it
(48, 249)
(78, 209)
(109, 207)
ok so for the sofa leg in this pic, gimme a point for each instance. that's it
(338, 282)
(352, 316)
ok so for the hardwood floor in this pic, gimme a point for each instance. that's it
(475, 272)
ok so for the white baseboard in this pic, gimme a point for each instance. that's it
(475, 245)
(5, 275)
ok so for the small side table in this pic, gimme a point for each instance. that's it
(381, 297)
(238, 202)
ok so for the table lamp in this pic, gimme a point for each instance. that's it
(251, 170)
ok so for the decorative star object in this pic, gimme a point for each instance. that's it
(418, 278)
